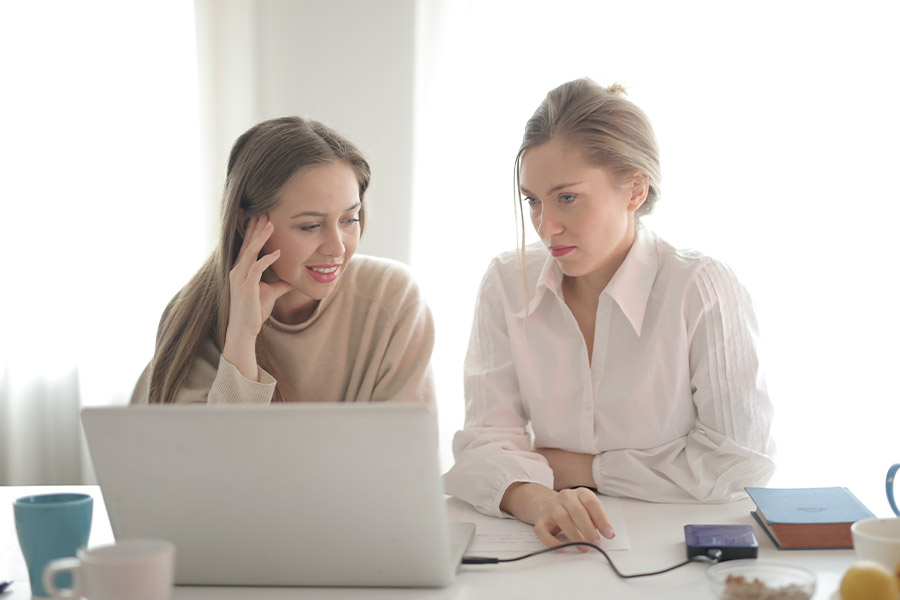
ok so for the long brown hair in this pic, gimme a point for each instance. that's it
(262, 160)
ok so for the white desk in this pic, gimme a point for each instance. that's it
(657, 541)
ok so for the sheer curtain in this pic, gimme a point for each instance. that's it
(778, 125)
(101, 212)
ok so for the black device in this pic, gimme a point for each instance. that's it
(734, 541)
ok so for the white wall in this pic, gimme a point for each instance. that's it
(98, 147)
(347, 63)
(98, 115)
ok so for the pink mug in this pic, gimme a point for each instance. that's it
(132, 569)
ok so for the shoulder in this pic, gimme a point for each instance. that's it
(505, 270)
(505, 287)
(364, 269)
(382, 281)
(695, 274)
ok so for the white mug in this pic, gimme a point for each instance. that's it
(133, 569)
(878, 540)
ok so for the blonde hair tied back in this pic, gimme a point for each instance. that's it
(611, 131)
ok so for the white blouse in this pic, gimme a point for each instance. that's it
(673, 405)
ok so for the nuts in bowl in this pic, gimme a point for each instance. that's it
(760, 580)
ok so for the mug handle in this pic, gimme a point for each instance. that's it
(889, 487)
(61, 565)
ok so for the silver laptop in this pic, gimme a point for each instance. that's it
(325, 494)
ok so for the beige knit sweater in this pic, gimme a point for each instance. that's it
(370, 340)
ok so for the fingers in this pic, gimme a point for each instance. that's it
(546, 532)
(252, 300)
(577, 513)
(263, 263)
(599, 517)
(249, 266)
(257, 233)
(583, 512)
(573, 518)
(276, 290)
(561, 518)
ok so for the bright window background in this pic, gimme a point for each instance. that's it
(778, 124)
(102, 222)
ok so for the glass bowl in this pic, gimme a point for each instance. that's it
(751, 579)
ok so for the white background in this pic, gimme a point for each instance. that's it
(778, 125)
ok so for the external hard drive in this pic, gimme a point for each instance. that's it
(735, 541)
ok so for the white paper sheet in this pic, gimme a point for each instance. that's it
(494, 534)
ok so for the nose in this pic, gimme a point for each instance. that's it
(333, 244)
(547, 222)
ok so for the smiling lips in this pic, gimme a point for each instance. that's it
(558, 251)
(324, 273)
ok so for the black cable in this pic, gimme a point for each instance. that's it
(712, 556)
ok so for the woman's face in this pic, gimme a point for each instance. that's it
(583, 217)
(316, 227)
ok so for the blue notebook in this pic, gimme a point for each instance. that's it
(796, 518)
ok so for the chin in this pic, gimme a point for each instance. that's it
(572, 270)
(318, 292)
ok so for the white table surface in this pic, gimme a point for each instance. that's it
(657, 541)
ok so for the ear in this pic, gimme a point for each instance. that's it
(638, 188)
(242, 220)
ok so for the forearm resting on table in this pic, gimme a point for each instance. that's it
(570, 469)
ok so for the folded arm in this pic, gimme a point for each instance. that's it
(729, 446)
(213, 380)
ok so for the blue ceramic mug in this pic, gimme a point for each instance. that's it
(51, 526)
(889, 485)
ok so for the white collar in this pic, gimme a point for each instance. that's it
(629, 288)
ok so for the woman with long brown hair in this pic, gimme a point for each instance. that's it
(284, 310)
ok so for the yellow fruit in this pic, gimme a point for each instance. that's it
(868, 580)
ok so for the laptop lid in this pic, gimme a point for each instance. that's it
(330, 494)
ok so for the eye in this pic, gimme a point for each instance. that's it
(351, 221)
(567, 198)
(310, 227)
(531, 201)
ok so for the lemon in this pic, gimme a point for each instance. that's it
(868, 580)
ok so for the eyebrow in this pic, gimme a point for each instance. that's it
(310, 213)
(555, 188)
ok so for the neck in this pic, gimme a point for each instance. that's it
(590, 285)
(294, 308)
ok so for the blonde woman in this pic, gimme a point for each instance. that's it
(284, 310)
(602, 358)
